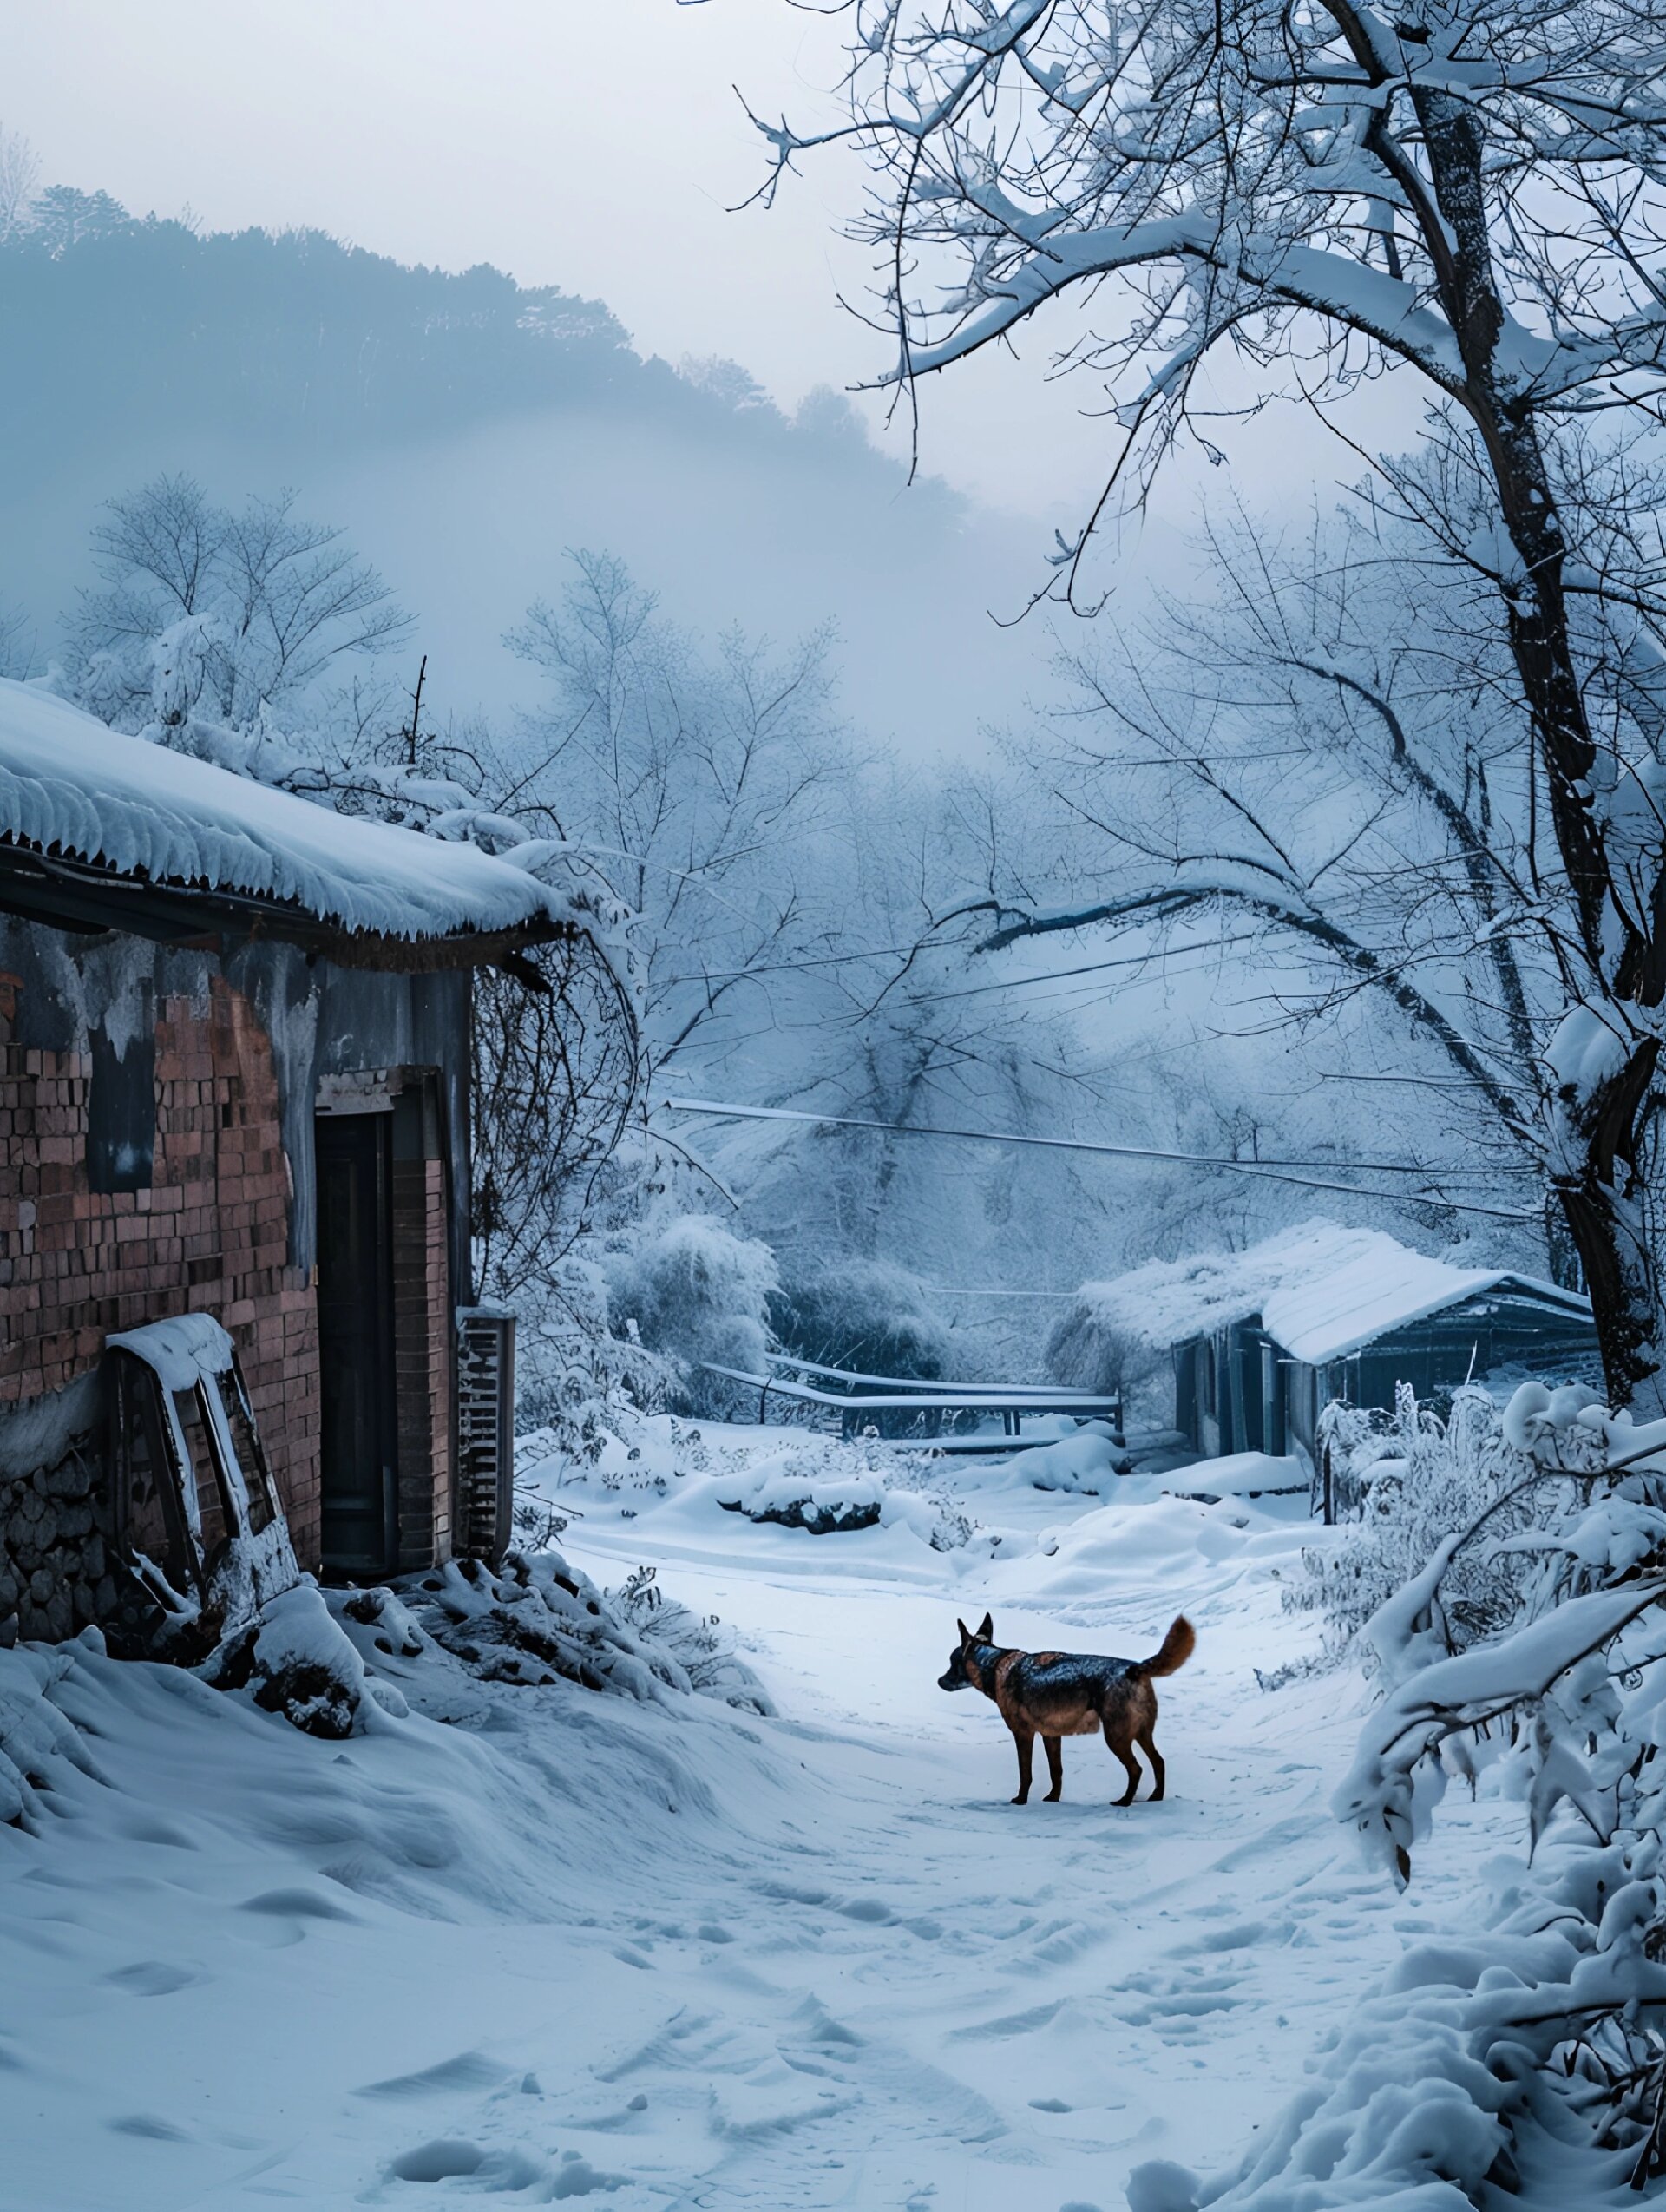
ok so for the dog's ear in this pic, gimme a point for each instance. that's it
(965, 1633)
(985, 1634)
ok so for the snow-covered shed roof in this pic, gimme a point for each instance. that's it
(85, 810)
(1321, 1290)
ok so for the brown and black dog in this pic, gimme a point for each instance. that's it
(1055, 1693)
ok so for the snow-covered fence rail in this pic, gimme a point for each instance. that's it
(856, 1406)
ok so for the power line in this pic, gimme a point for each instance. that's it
(1092, 968)
(1271, 1172)
(780, 967)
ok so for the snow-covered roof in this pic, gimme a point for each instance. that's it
(1321, 1290)
(73, 790)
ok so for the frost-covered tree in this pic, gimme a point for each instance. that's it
(64, 217)
(1468, 193)
(237, 614)
(707, 787)
(20, 170)
(1318, 762)
(695, 1292)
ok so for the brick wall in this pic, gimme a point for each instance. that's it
(209, 1234)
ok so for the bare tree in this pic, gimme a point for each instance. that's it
(238, 612)
(1318, 763)
(702, 787)
(1470, 194)
(17, 643)
(20, 172)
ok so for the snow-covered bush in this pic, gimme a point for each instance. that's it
(295, 1660)
(534, 1622)
(1086, 1351)
(578, 1381)
(1411, 1479)
(33, 1733)
(869, 1315)
(699, 1643)
(1090, 1347)
(694, 1292)
(828, 1487)
(1535, 2047)
(537, 1621)
(1086, 1463)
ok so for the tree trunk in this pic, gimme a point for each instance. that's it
(1598, 1120)
(1597, 1148)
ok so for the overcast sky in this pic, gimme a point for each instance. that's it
(599, 147)
(595, 144)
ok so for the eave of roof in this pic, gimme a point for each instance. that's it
(100, 830)
(87, 898)
(1317, 1343)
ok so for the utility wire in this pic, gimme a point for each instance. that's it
(1270, 1171)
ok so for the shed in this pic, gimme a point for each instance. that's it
(1262, 1339)
(234, 1060)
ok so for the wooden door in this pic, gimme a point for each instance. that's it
(359, 1438)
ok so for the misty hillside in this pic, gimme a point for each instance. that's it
(388, 396)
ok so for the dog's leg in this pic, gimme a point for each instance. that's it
(1123, 1747)
(1055, 1751)
(1155, 1757)
(1025, 1740)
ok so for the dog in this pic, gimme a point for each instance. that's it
(1055, 1693)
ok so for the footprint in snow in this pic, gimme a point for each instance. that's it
(151, 1977)
(147, 2127)
(452, 2158)
(298, 1905)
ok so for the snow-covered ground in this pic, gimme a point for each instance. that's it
(670, 1953)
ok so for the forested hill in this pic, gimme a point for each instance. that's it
(132, 323)
(467, 429)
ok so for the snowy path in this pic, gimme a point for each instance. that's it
(693, 1959)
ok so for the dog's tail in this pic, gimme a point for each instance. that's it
(1176, 1648)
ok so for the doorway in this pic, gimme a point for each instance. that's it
(358, 1442)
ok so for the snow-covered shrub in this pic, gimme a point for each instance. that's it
(1412, 1478)
(699, 1643)
(1090, 1347)
(1535, 2048)
(295, 1660)
(868, 1316)
(1086, 1463)
(534, 1622)
(694, 1292)
(578, 1383)
(795, 1500)
(537, 1620)
(828, 1487)
(35, 1734)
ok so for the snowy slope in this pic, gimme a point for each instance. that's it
(668, 1954)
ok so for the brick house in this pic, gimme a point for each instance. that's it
(234, 1038)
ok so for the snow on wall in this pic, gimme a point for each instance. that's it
(70, 785)
(1322, 1291)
